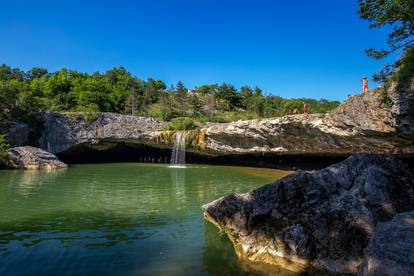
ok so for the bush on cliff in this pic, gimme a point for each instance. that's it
(405, 69)
(182, 123)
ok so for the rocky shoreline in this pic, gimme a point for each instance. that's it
(320, 220)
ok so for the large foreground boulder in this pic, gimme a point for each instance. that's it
(391, 249)
(319, 220)
(33, 159)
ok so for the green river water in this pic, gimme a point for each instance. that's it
(119, 219)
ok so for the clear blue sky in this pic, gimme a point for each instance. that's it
(290, 48)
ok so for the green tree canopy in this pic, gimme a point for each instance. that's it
(399, 14)
(24, 94)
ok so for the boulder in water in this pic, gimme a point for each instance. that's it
(316, 220)
(33, 158)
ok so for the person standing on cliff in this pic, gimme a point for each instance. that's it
(364, 84)
(305, 108)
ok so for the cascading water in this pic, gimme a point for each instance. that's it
(178, 152)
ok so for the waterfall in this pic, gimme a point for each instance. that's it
(178, 151)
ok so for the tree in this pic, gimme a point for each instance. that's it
(196, 106)
(182, 98)
(246, 92)
(151, 94)
(181, 90)
(8, 73)
(159, 85)
(211, 103)
(207, 89)
(132, 103)
(231, 97)
(399, 14)
(37, 73)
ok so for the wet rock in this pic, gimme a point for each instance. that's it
(391, 249)
(319, 220)
(33, 158)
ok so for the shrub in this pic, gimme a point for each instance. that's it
(89, 108)
(4, 146)
(159, 112)
(182, 123)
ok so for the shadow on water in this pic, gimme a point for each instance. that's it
(122, 152)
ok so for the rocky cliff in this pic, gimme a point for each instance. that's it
(318, 220)
(380, 121)
(64, 131)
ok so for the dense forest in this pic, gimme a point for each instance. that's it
(23, 94)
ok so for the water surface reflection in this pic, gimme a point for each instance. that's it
(117, 219)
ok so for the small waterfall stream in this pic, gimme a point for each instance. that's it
(178, 151)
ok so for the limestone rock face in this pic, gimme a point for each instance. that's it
(316, 134)
(62, 132)
(316, 220)
(33, 158)
(402, 96)
(389, 108)
(391, 249)
(364, 112)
